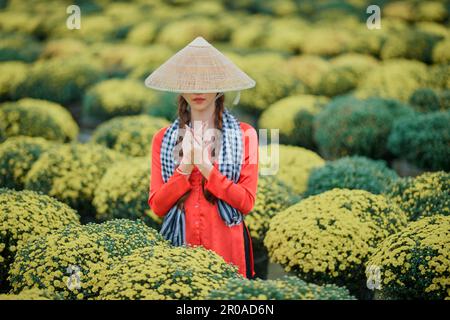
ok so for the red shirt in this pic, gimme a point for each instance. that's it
(204, 226)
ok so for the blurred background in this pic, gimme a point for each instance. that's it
(356, 108)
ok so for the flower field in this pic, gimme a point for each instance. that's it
(359, 207)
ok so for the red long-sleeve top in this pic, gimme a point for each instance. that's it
(204, 226)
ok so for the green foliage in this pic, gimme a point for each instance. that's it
(351, 173)
(423, 139)
(348, 126)
(286, 288)
(425, 100)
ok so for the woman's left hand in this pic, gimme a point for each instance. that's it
(202, 151)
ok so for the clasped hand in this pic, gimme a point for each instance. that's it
(196, 151)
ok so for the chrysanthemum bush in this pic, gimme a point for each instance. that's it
(439, 76)
(71, 173)
(167, 272)
(12, 73)
(337, 80)
(424, 195)
(72, 261)
(17, 155)
(30, 294)
(420, 11)
(167, 106)
(37, 118)
(425, 100)
(414, 263)
(308, 69)
(276, 34)
(54, 79)
(97, 28)
(144, 60)
(328, 238)
(116, 97)
(21, 47)
(325, 40)
(123, 192)
(179, 32)
(396, 79)
(63, 48)
(273, 196)
(24, 214)
(293, 166)
(441, 52)
(358, 63)
(274, 83)
(286, 288)
(253, 35)
(423, 139)
(293, 116)
(351, 173)
(16, 21)
(408, 44)
(131, 135)
(143, 33)
(349, 126)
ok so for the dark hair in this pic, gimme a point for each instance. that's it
(184, 114)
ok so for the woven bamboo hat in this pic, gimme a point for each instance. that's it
(199, 68)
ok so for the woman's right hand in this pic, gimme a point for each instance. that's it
(187, 145)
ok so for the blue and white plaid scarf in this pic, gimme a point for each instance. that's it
(230, 161)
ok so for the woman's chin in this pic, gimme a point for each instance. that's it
(199, 106)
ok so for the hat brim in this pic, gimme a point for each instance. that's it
(251, 85)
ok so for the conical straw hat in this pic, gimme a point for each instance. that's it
(199, 68)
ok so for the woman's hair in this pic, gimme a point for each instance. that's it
(184, 115)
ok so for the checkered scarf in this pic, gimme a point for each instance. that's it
(230, 160)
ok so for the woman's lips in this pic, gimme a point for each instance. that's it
(198, 100)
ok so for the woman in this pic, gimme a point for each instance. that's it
(204, 171)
